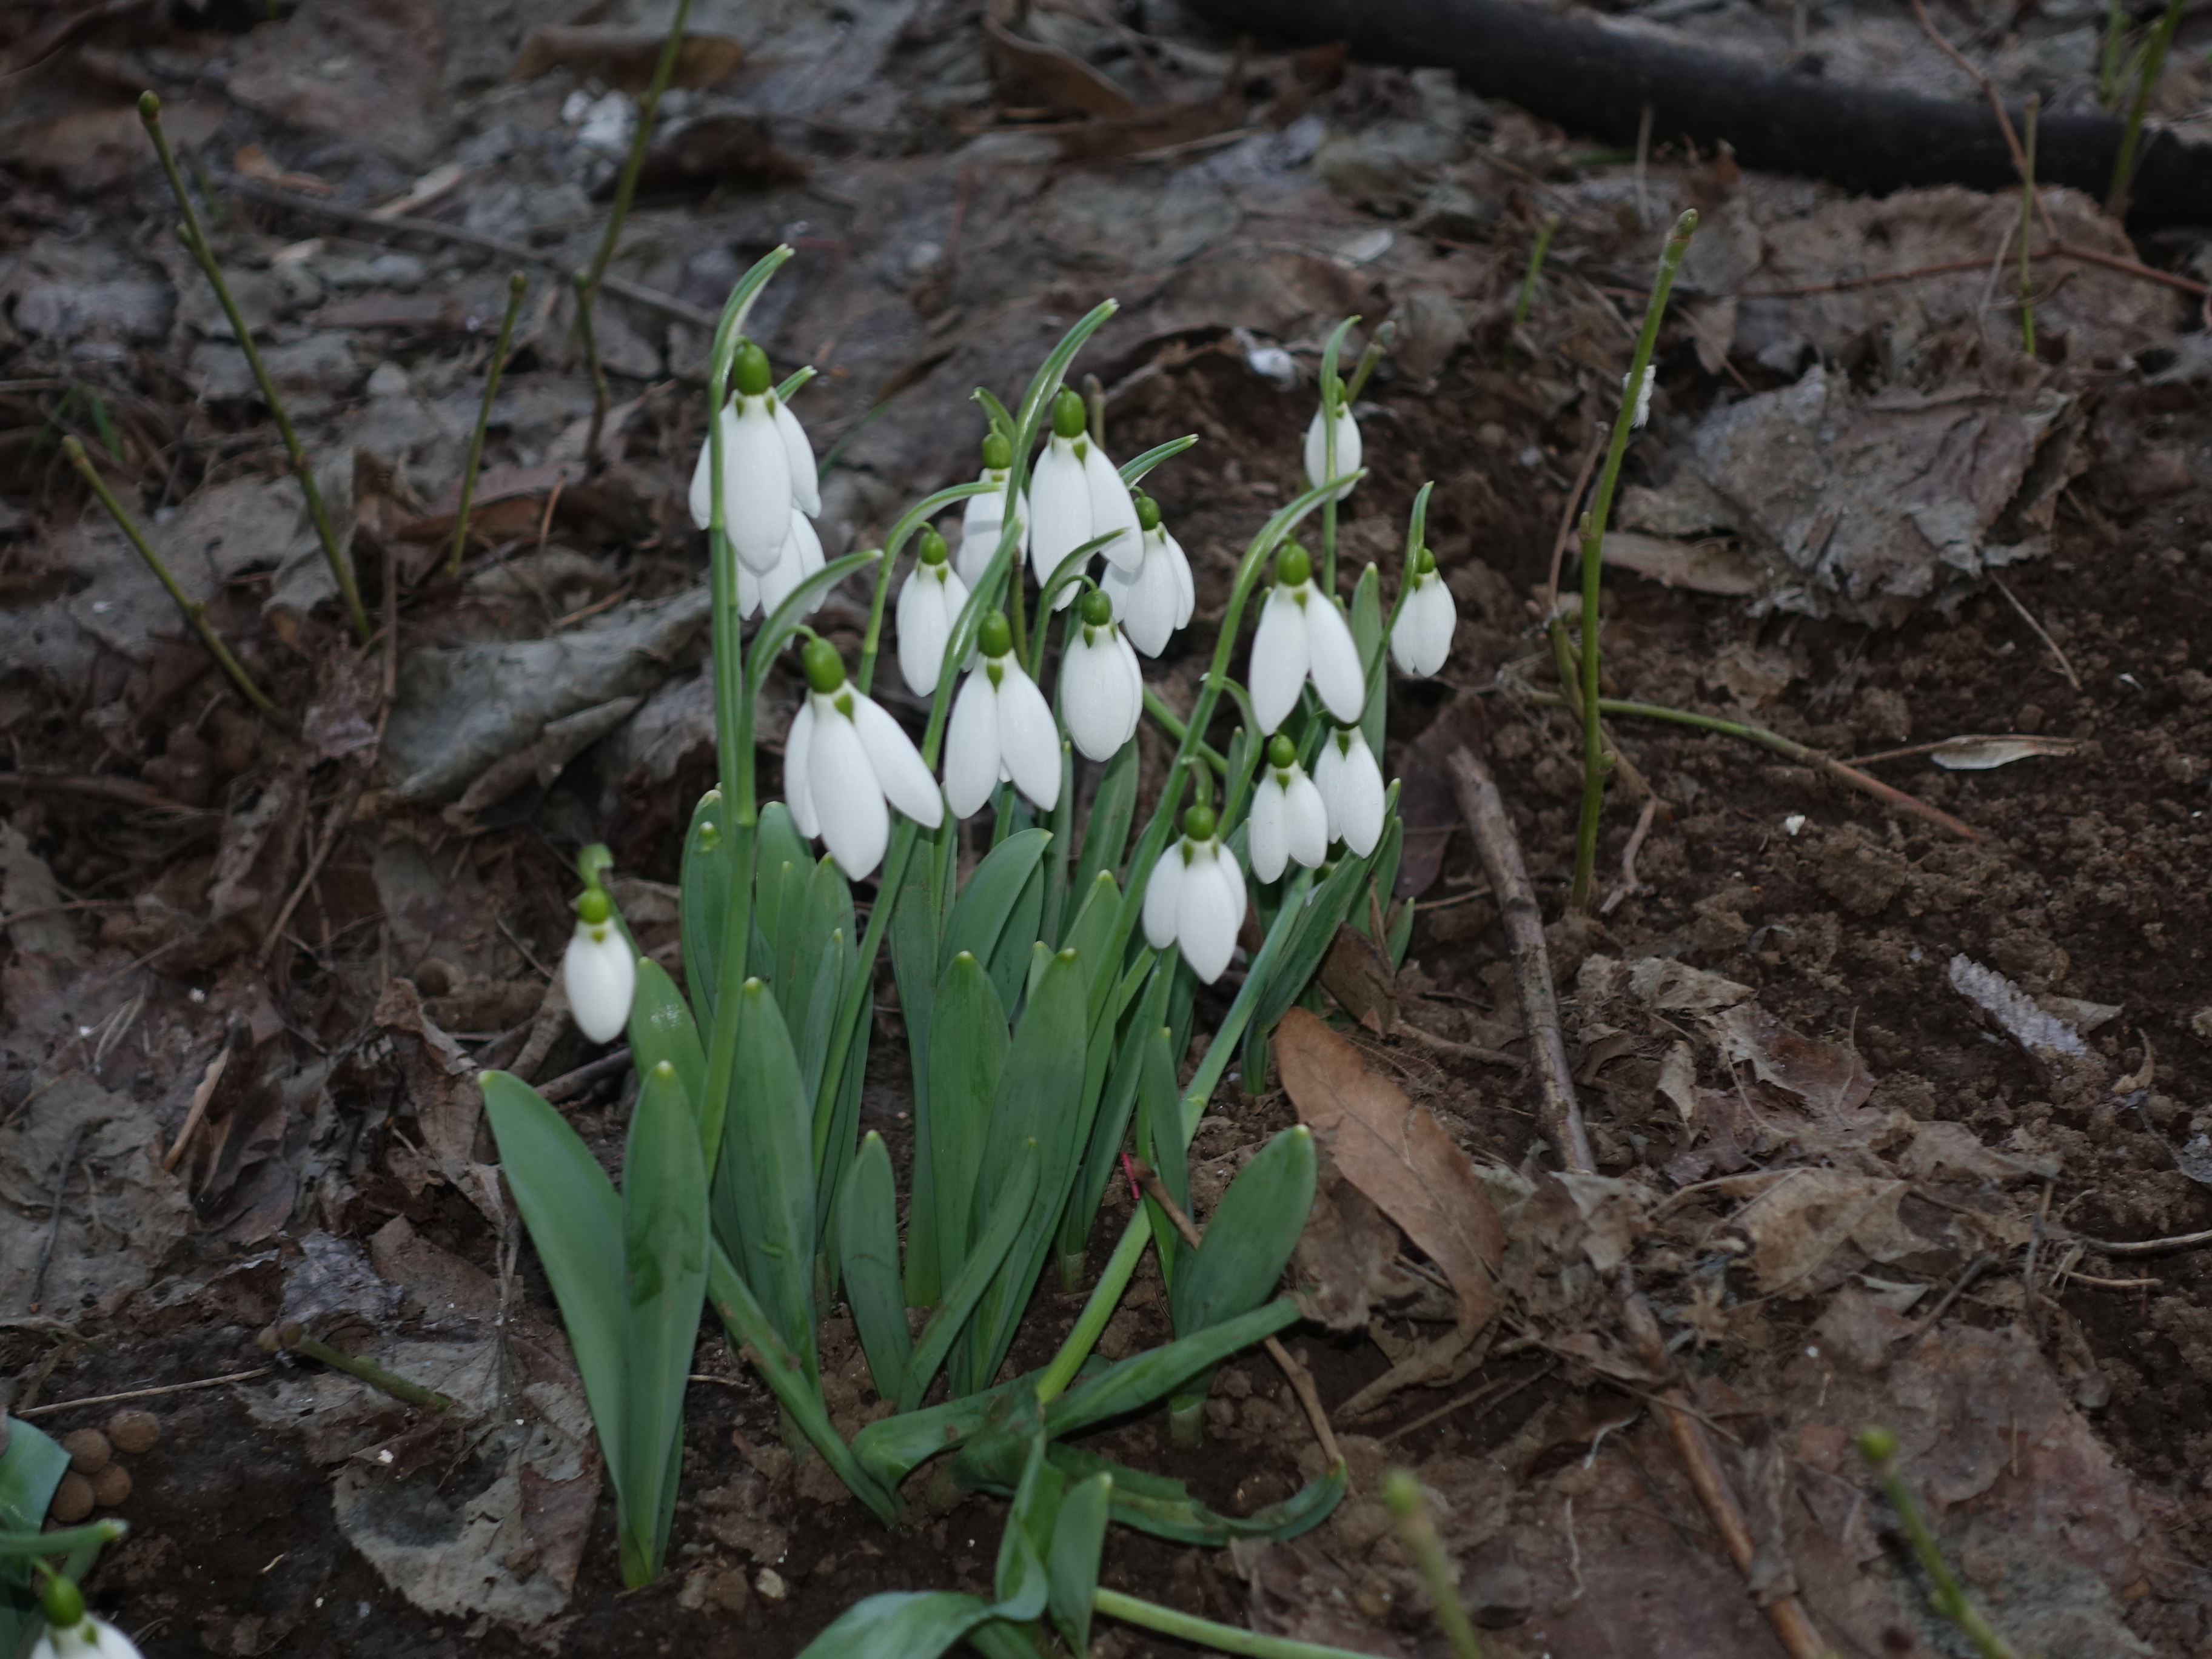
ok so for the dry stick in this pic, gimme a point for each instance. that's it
(141, 1394)
(292, 1337)
(1953, 267)
(194, 237)
(201, 1095)
(1560, 1117)
(2027, 199)
(1570, 512)
(517, 285)
(2027, 616)
(2146, 1246)
(1300, 1379)
(1628, 881)
(333, 828)
(54, 1229)
(587, 284)
(194, 612)
(1996, 105)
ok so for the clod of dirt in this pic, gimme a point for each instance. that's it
(110, 1486)
(72, 1500)
(134, 1432)
(88, 1451)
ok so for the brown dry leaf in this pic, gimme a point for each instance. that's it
(1346, 1259)
(1986, 754)
(1710, 564)
(1796, 1224)
(625, 57)
(1831, 1081)
(1360, 976)
(1061, 76)
(1400, 1157)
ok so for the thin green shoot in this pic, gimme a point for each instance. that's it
(1594, 767)
(517, 286)
(1878, 1447)
(2154, 65)
(196, 243)
(1545, 232)
(1417, 1530)
(292, 1338)
(2027, 225)
(1204, 1633)
(2112, 72)
(1332, 400)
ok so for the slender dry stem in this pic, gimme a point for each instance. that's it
(2027, 220)
(517, 286)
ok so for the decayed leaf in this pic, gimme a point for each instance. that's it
(1986, 754)
(625, 57)
(1357, 974)
(1400, 1157)
(1346, 1259)
(1831, 1081)
(1797, 1224)
(1061, 75)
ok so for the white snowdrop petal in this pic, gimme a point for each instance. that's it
(1111, 509)
(702, 505)
(799, 456)
(1333, 658)
(93, 1638)
(756, 486)
(905, 781)
(921, 631)
(800, 558)
(1029, 738)
(1208, 912)
(971, 746)
(1135, 709)
(1347, 450)
(798, 792)
(856, 825)
(1094, 696)
(1059, 507)
(1162, 896)
(748, 594)
(1145, 602)
(1269, 830)
(1359, 805)
(1305, 822)
(601, 977)
(1422, 639)
(1328, 777)
(1185, 589)
(1278, 660)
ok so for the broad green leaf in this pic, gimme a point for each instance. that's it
(816, 997)
(1020, 1578)
(1063, 843)
(843, 1123)
(576, 1222)
(1137, 1381)
(1092, 931)
(763, 1205)
(785, 1374)
(1106, 831)
(913, 966)
(980, 1265)
(664, 1212)
(1250, 1236)
(705, 903)
(867, 1245)
(1102, 1157)
(778, 846)
(826, 907)
(1072, 1566)
(892, 1448)
(1367, 634)
(1160, 1142)
(987, 897)
(1164, 1508)
(661, 1028)
(1312, 933)
(30, 1468)
(902, 1624)
(1010, 962)
(968, 1046)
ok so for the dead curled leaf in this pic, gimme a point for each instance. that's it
(1400, 1157)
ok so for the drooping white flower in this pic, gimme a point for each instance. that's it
(1102, 689)
(1302, 631)
(73, 1633)
(985, 516)
(767, 467)
(1347, 450)
(1642, 395)
(1160, 597)
(846, 757)
(1351, 786)
(599, 970)
(1001, 730)
(1290, 821)
(1421, 638)
(928, 605)
(1076, 495)
(800, 558)
(1195, 899)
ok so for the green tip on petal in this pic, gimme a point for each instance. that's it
(62, 1602)
(594, 907)
(1069, 416)
(825, 669)
(933, 550)
(1148, 514)
(1198, 824)
(1097, 609)
(996, 637)
(149, 106)
(1423, 562)
(997, 453)
(665, 1072)
(1282, 753)
(1877, 1445)
(750, 370)
(1293, 565)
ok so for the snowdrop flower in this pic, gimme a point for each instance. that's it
(599, 971)
(73, 1633)
(1102, 689)
(1351, 786)
(1643, 396)
(1421, 638)
(800, 558)
(1347, 449)
(1001, 730)
(844, 758)
(928, 605)
(1075, 494)
(1196, 897)
(1160, 596)
(1290, 821)
(985, 516)
(767, 467)
(1302, 631)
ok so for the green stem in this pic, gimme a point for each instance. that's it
(195, 613)
(1105, 1296)
(2124, 168)
(1545, 232)
(196, 243)
(587, 290)
(1948, 1597)
(1223, 1639)
(1172, 724)
(517, 286)
(17, 1546)
(902, 532)
(291, 1338)
(1655, 309)
(2027, 225)
(1401, 1493)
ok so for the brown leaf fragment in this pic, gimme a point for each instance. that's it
(1061, 76)
(1400, 1157)
(625, 58)
(1831, 1081)
(1357, 974)
(1346, 1259)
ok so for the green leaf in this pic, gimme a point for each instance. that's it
(1165, 1508)
(1310, 937)
(30, 1468)
(867, 1244)
(1367, 634)
(1137, 1381)
(976, 1272)
(892, 1448)
(989, 895)
(778, 846)
(1013, 959)
(816, 996)
(1102, 1157)
(787, 1377)
(913, 966)
(1071, 1567)
(1106, 831)
(1160, 1143)
(764, 1190)
(1249, 1236)
(1091, 935)
(968, 1046)
(1020, 1578)
(664, 1213)
(902, 1624)
(576, 1222)
(661, 1028)
(705, 903)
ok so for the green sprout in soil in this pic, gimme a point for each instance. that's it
(1401, 1494)
(517, 286)
(2026, 224)
(2154, 65)
(1545, 232)
(1878, 1447)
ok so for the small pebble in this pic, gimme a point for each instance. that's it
(771, 1585)
(72, 1499)
(88, 1451)
(111, 1485)
(134, 1432)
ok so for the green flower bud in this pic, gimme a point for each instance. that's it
(1198, 824)
(997, 453)
(1877, 1445)
(750, 370)
(996, 637)
(594, 907)
(1097, 609)
(62, 1602)
(1069, 416)
(1148, 514)
(1423, 562)
(1282, 753)
(1293, 565)
(825, 669)
(933, 550)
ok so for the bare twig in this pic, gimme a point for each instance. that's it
(54, 1227)
(569, 1084)
(2035, 627)
(201, 1096)
(333, 828)
(1444, 1045)
(1996, 105)
(1955, 267)
(2147, 1246)
(1570, 511)
(142, 1394)
(1628, 881)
